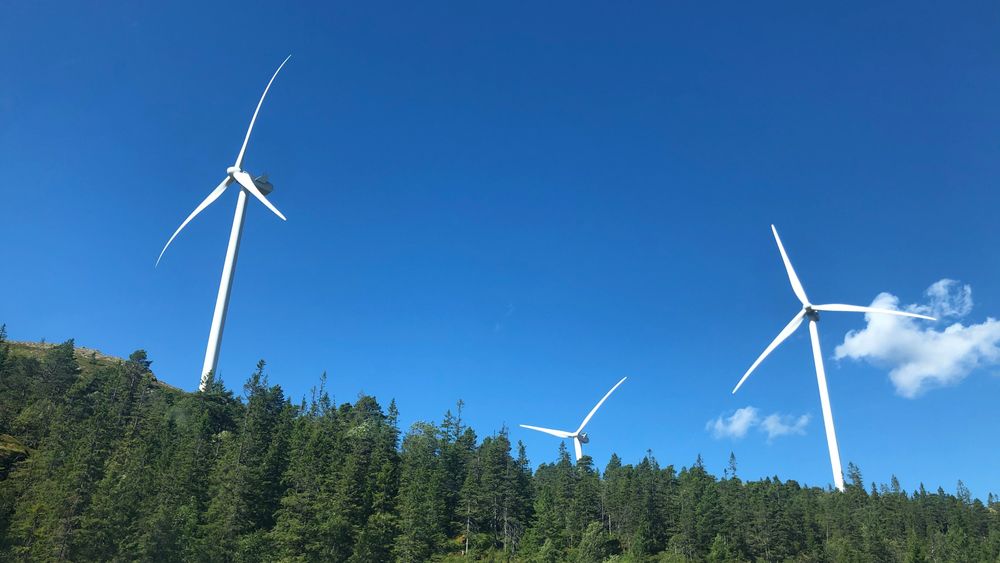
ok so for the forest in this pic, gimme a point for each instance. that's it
(100, 461)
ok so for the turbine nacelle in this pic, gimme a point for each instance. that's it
(582, 436)
(261, 181)
(263, 184)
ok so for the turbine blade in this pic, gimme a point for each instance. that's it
(792, 278)
(599, 403)
(556, 433)
(246, 181)
(578, 447)
(243, 149)
(860, 309)
(785, 333)
(201, 206)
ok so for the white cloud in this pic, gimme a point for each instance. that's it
(735, 425)
(777, 425)
(740, 422)
(946, 300)
(919, 356)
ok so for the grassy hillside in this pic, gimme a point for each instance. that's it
(89, 359)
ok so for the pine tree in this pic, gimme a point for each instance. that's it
(245, 481)
(594, 544)
(377, 536)
(456, 451)
(421, 496)
(585, 503)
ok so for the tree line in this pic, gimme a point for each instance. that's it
(101, 462)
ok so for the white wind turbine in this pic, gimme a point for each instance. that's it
(257, 187)
(579, 437)
(811, 312)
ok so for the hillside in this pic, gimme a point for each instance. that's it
(99, 461)
(88, 359)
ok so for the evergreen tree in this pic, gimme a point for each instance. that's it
(422, 516)
(594, 544)
(244, 484)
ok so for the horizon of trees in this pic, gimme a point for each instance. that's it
(103, 463)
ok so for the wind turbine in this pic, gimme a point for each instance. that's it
(258, 187)
(811, 312)
(579, 437)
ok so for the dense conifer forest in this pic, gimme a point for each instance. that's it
(101, 462)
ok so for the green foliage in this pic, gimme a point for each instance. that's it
(594, 545)
(101, 462)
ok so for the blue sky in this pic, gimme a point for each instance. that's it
(518, 205)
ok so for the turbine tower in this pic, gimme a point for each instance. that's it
(579, 437)
(258, 187)
(811, 312)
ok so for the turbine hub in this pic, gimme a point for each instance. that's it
(812, 314)
(584, 439)
(232, 170)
